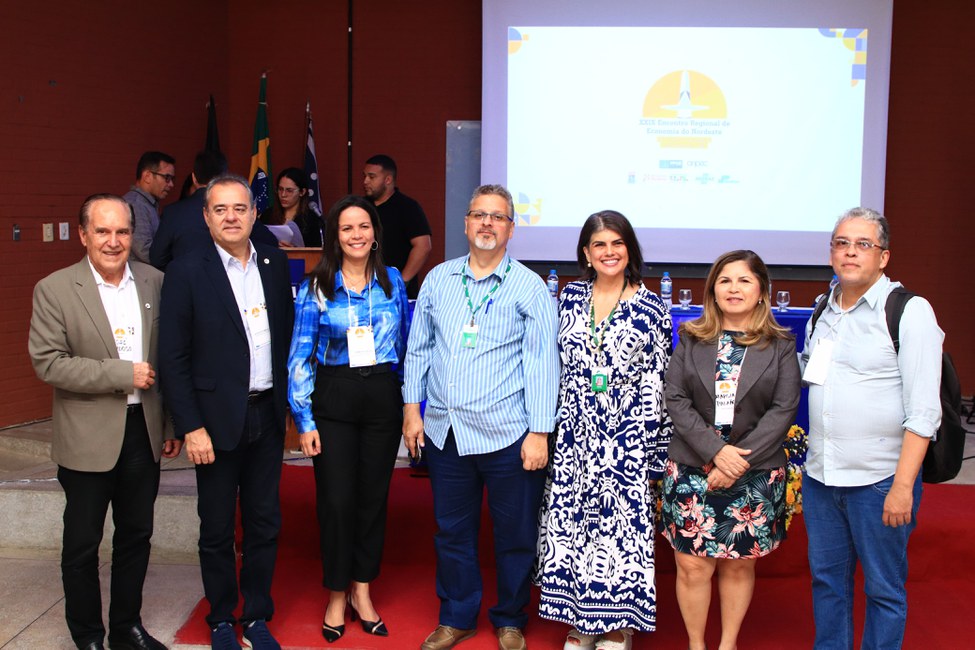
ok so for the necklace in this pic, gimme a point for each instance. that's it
(598, 335)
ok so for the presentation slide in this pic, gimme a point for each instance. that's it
(708, 138)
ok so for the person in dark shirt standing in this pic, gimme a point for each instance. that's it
(406, 232)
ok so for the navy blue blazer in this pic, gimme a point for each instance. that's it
(182, 229)
(204, 359)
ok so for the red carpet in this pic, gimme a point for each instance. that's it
(941, 587)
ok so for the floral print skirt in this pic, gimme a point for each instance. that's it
(746, 520)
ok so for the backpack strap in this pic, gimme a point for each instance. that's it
(818, 310)
(894, 309)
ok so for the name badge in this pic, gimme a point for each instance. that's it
(724, 402)
(600, 379)
(468, 336)
(259, 326)
(362, 347)
(123, 340)
(818, 365)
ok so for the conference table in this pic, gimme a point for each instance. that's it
(795, 318)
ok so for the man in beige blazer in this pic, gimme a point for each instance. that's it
(93, 338)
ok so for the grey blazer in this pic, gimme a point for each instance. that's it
(765, 403)
(72, 348)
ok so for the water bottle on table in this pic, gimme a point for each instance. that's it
(667, 290)
(552, 282)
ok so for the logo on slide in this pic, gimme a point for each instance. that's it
(527, 211)
(854, 40)
(515, 39)
(685, 109)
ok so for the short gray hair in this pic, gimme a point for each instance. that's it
(496, 190)
(228, 179)
(874, 217)
(84, 214)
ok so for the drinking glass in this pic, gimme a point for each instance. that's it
(782, 299)
(684, 296)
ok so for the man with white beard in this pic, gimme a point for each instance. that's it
(482, 353)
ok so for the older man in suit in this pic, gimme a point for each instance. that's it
(224, 339)
(93, 338)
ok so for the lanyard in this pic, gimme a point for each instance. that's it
(348, 298)
(598, 336)
(486, 297)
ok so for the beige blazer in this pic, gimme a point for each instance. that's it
(72, 348)
(765, 403)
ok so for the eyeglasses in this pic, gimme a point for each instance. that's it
(862, 245)
(496, 217)
(287, 190)
(169, 177)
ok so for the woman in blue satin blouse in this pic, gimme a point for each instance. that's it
(351, 327)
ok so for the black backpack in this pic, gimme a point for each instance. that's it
(942, 462)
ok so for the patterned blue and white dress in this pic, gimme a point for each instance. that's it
(596, 538)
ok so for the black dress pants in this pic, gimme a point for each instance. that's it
(360, 421)
(253, 471)
(131, 487)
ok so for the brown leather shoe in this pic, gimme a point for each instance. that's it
(511, 638)
(446, 637)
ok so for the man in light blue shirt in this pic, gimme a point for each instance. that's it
(872, 413)
(482, 352)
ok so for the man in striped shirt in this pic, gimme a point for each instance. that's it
(482, 353)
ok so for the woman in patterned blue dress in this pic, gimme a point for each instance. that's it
(596, 543)
(732, 391)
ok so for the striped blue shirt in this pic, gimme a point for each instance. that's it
(508, 383)
(320, 334)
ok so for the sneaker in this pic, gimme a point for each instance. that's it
(256, 635)
(223, 637)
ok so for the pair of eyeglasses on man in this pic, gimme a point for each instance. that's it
(863, 245)
(496, 217)
(168, 177)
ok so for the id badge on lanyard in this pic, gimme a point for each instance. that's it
(600, 379)
(362, 347)
(724, 401)
(468, 336)
(818, 365)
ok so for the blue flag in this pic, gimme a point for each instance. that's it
(311, 166)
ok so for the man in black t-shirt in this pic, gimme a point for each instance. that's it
(406, 232)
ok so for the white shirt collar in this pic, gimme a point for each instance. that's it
(226, 258)
(99, 280)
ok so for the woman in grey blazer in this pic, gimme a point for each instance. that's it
(732, 392)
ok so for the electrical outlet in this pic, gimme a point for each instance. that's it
(64, 231)
(48, 232)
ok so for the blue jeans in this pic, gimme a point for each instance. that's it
(845, 525)
(514, 497)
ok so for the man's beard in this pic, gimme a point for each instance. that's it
(483, 244)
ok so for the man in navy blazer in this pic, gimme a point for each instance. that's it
(182, 227)
(223, 351)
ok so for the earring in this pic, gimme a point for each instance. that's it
(588, 264)
(375, 245)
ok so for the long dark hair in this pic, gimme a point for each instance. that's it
(322, 276)
(275, 216)
(611, 220)
(762, 329)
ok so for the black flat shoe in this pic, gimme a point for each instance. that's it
(376, 628)
(332, 634)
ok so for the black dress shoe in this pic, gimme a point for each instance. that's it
(93, 645)
(134, 638)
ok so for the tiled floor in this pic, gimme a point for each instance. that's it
(30, 584)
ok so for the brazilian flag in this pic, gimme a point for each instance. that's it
(260, 176)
